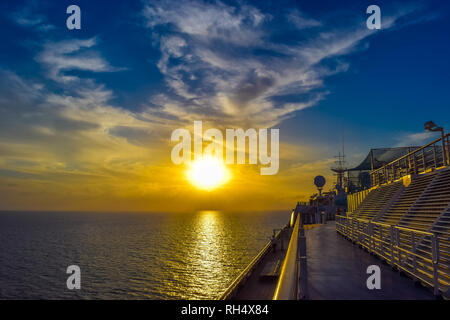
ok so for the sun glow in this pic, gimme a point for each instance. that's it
(208, 173)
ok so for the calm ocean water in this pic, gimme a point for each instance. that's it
(128, 256)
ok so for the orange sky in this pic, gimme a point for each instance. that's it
(109, 174)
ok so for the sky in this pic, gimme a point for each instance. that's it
(86, 115)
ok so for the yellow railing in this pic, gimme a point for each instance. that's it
(354, 199)
(287, 282)
(428, 157)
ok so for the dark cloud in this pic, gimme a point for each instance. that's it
(252, 87)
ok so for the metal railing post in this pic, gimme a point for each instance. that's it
(391, 242)
(444, 149)
(395, 168)
(380, 248)
(409, 161)
(435, 252)
(423, 159)
(435, 157)
(415, 164)
(413, 245)
(357, 231)
(303, 283)
(348, 227)
(405, 168)
(447, 151)
(343, 225)
(399, 254)
(353, 230)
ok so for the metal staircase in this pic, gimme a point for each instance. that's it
(430, 204)
(409, 227)
(410, 194)
(376, 201)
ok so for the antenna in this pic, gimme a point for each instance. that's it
(340, 167)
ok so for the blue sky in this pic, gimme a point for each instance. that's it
(138, 69)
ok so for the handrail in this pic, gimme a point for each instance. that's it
(411, 153)
(414, 230)
(287, 282)
(392, 248)
(416, 161)
(393, 226)
(381, 224)
(247, 269)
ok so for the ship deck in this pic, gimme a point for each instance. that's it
(337, 270)
(258, 287)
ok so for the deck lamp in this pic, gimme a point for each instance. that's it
(432, 127)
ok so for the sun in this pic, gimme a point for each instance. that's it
(208, 173)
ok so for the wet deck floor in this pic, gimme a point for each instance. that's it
(337, 270)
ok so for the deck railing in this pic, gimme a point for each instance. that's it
(431, 156)
(403, 248)
(240, 280)
(292, 282)
(287, 282)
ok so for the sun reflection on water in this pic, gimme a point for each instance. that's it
(208, 252)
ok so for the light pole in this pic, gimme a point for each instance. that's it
(432, 127)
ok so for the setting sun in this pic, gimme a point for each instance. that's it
(208, 173)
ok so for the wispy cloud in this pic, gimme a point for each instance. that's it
(203, 20)
(223, 61)
(415, 139)
(301, 21)
(29, 16)
(72, 55)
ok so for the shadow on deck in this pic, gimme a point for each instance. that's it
(337, 270)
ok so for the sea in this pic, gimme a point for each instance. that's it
(192, 255)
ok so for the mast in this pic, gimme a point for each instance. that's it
(339, 169)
